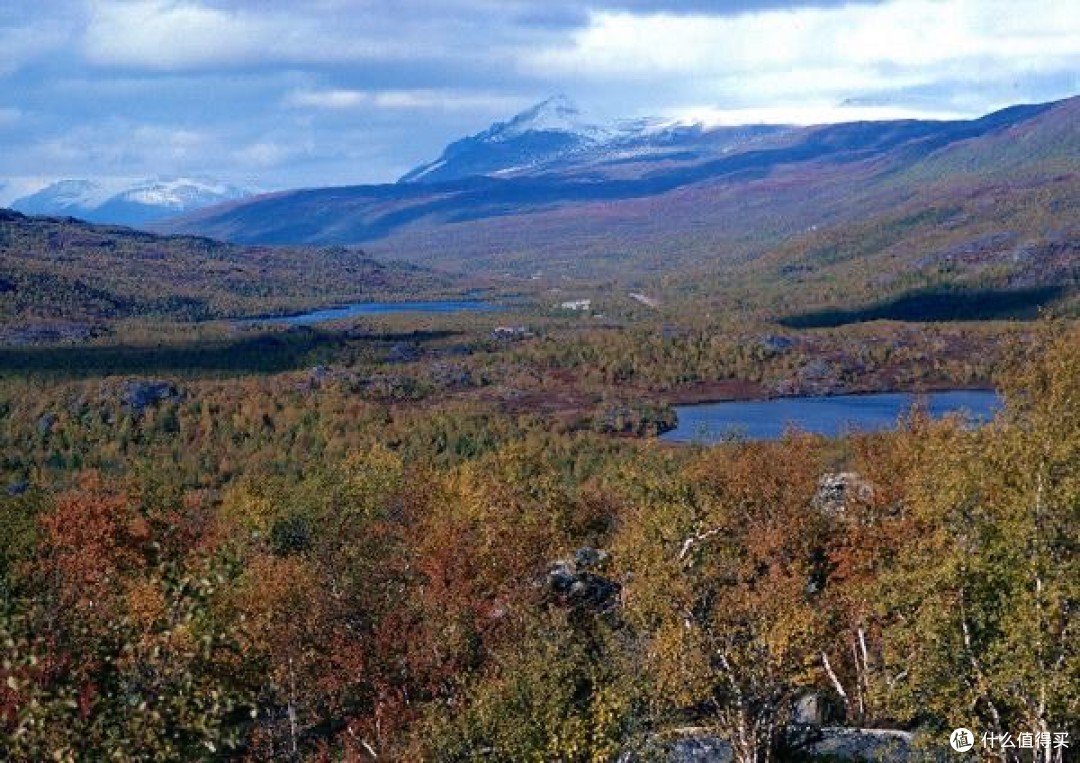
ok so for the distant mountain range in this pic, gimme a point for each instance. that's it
(548, 194)
(818, 225)
(125, 202)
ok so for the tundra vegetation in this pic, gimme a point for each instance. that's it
(388, 555)
(454, 537)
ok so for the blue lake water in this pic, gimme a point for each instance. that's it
(830, 416)
(377, 308)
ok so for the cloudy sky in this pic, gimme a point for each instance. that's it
(276, 93)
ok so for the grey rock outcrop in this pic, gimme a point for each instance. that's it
(690, 745)
(402, 353)
(17, 488)
(838, 490)
(810, 709)
(700, 745)
(776, 344)
(138, 394)
(870, 745)
(573, 582)
(509, 333)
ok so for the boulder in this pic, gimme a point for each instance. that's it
(809, 710)
(701, 745)
(877, 745)
(690, 745)
(17, 488)
(509, 333)
(587, 556)
(402, 353)
(700, 749)
(570, 582)
(837, 490)
(776, 344)
(139, 394)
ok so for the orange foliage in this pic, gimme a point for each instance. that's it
(89, 541)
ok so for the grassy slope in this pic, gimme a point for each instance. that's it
(996, 216)
(63, 269)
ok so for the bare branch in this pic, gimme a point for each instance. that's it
(699, 538)
(835, 680)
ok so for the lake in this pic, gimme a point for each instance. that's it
(376, 308)
(830, 416)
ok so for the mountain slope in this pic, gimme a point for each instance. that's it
(707, 211)
(547, 131)
(60, 269)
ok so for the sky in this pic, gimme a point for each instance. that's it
(278, 94)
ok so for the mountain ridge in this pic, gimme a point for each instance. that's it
(880, 215)
(555, 132)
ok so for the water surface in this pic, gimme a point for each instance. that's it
(830, 416)
(376, 308)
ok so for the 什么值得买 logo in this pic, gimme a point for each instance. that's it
(962, 739)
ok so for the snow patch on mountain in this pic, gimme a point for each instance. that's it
(557, 114)
(65, 195)
(182, 194)
(424, 171)
(555, 131)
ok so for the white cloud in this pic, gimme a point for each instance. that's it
(807, 112)
(761, 59)
(418, 99)
(121, 147)
(38, 38)
(449, 100)
(157, 34)
(172, 144)
(13, 188)
(327, 99)
(268, 153)
(171, 35)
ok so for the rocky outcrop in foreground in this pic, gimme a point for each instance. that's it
(831, 743)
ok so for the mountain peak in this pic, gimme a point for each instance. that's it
(181, 193)
(550, 129)
(64, 196)
(557, 114)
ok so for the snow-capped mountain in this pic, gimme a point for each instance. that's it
(127, 202)
(543, 133)
(556, 114)
(555, 133)
(181, 193)
(65, 197)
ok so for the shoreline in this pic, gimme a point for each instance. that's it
(746, 392)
